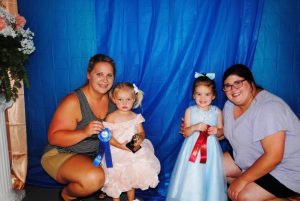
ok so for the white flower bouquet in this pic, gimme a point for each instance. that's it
(16, 44)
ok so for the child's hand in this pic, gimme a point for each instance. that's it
(123, 146)
(212, 130)
(201, 126)
(138, 142)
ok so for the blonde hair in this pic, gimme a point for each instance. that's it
(139, 94)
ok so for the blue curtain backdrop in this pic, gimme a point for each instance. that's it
(160, 44)
(156, 44)
(276, 63)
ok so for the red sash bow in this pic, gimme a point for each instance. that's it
(200, 145)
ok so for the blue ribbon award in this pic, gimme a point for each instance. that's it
(104, 148)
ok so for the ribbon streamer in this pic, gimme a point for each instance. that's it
(104, 148)
(200, 145)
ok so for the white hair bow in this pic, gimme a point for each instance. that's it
(135, 88)
(209, 75)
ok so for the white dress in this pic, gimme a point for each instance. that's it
(195, 181)
(130, 170)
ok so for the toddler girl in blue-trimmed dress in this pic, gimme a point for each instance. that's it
(198, 174)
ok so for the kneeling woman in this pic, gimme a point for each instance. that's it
(72, 135)
(265, 137)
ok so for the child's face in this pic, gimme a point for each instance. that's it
(203, 96)
(124, 100)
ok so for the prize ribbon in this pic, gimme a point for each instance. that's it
(104, 148)
(200, 145)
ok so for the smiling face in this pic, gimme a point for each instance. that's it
(124, 99)
(203, 96)
(240, 95)
(101, 77)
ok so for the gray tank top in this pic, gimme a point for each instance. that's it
(89, 145)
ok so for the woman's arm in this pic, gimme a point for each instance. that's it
(273, 146)
(62, 130)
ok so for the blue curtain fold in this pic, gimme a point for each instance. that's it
(157, 44)
(160, 44)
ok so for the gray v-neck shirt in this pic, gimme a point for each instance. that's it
(267, 115)
(90, 145)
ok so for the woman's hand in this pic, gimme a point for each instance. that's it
(235, 188)
(212, 130)
(183, 129)
(182, 126)
(94, 127)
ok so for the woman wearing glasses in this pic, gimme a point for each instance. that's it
(265, 137)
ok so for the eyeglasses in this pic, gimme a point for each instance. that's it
(236, 84)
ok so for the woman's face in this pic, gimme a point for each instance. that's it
(238, 90)
(101, 78)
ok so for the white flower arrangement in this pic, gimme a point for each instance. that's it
(16, 44)
(11, 26)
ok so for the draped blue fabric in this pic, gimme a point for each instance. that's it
(64, 42)
(159, 44)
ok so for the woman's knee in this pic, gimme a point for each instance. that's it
(230, 168)
(254, 192)
(250, 192)
(94, 179)
(245, 196)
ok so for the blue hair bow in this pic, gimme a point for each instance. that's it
(209, 75)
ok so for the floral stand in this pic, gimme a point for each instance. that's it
(7, 193)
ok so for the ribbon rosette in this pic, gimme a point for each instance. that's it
(200, 145)
(104, 148)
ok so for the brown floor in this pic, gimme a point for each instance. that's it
(34, 193)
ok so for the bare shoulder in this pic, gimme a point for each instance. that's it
(116, 117)
(134, 115)
(111, 117)
(70, 101)
(188, 110)
(67, 114)
(69, 106)
(219, 111)
(187, 115)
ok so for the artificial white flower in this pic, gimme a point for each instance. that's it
(16, 44)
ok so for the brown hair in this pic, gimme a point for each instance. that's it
(241, 71)
(206, 81)
(101, 58)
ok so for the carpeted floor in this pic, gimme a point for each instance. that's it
(34, 193)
